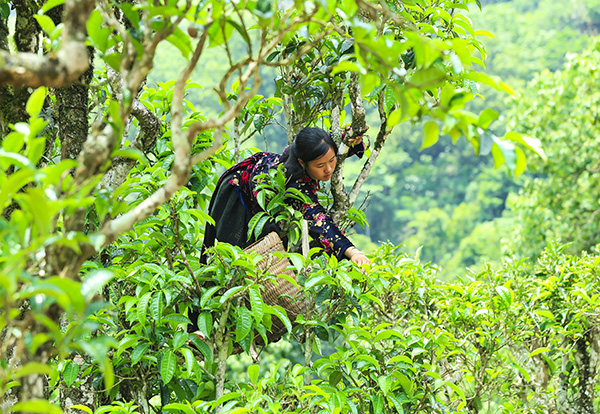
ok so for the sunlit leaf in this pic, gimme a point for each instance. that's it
(167, 366)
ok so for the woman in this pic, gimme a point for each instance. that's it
(311, 158)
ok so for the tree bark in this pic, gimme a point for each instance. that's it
(586, 372)
(72, 105)
(83, 394)
(12, 100)
(26, 27)
(150, 127)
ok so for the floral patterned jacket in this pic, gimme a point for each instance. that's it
(321, 226)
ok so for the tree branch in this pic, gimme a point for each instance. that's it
(375, 151)
(341, 200)
(69, 63)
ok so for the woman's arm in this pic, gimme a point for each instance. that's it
(322, 227)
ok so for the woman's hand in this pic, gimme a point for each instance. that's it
(356, 256)
(360, 259)
(353, 141)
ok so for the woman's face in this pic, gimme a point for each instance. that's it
(322, 167)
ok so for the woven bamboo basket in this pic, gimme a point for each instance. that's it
(281, 292)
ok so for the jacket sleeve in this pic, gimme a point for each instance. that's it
(358, 150)
(320, 224)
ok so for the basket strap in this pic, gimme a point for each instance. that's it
(305, 238)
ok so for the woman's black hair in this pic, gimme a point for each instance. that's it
(310, 143)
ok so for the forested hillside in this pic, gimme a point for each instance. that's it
(476, 200)
(444, 198)
(454, 204)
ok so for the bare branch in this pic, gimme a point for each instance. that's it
(179, 88)
(179, 177)
(342, 202)
(375, 151)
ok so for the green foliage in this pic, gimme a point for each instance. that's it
(557, 199)
(32, 226)
(277, 203)
(405, 342)
(386, 338)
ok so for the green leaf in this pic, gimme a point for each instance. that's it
(335, 377)
(521, 370)
(227, 397)
(407, 385)
(94, 281)
(36, 406)
(81, 407)
(256, 303)
(16, 159)
(205, 322)
(396, 403)
(316, 280)
(202, 347)
(167, 366)
(157, 306)
(188, 355)
(139, 352)
(177, 407)
(386, 334)
(486, 117)
(131, 153)
(219, 32)
(378, 404)
(47, 26)
(484, 33)
(545, 313)
(70, 373)
(179, 339)
(431, 134)
(106, 367)
(176, 318)
(142, 308)
(50, 4)
(506, 294)
(521, 164)
(253, 371)
(32, 368)
(181, 41)
(539, 351)
(385, 383)
(208, 294)
(281, 314)
(96, 32)
(35, 103)
(230, 293)
(348, 66)
(4, 10)
(456, 389)
(13, 142)
(113, 60)
(527, 141)
(127, 342)
(506, 154)
(260, 225)
(243, 323)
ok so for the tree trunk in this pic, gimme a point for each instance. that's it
(584, 403)
(72, 106)
(12, 100)
(149, 126)
(26, 27)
